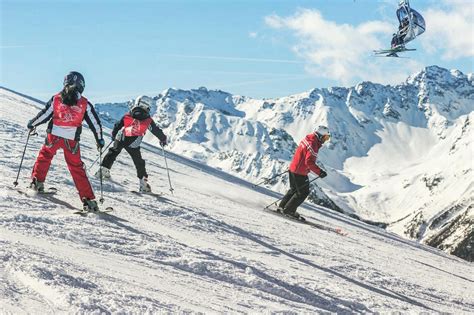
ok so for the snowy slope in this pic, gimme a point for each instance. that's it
(207, 248)
(399, 154)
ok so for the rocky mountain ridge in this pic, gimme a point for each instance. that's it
(398, 154)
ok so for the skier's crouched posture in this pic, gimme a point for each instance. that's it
(128, 134)
(65, 112)
(304, 161)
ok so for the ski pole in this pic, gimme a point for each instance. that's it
(31, 132)
(93, 163)
(269, 179)
(101, 200)
(167, 169)
(304, 186)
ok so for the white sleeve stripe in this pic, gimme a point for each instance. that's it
(308, 146)
(44, 116)
(94, 121)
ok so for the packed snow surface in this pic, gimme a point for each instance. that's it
(209, 247)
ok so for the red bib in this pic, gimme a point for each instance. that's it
(134, 127)
(70, 116)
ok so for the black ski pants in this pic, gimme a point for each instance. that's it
(299, 190)
(135, 153)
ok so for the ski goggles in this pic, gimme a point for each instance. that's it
(325, 138)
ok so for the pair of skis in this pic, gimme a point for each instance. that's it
(53, 190)
(149, 193)
(86, 212)
(303, 220)
(50, 191)
(110, 209)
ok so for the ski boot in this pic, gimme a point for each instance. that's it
(37, 185)
(144, 186)
(294, 214)
(105, 172)
(89, 205)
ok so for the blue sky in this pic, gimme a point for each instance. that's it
(255, 48)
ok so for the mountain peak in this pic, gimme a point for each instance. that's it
(436, 75)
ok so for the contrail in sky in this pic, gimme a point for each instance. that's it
(240, 73)
(233, 58)
(293, 78)
(20, 46)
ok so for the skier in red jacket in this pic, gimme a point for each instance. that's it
(128, 134)
(65, 112)
(304, 161)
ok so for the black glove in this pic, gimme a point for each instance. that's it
(100, 143)
(30, 125)
(322, 173)
(163, 141)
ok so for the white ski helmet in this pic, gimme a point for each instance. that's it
(322, 130)
(144, 102)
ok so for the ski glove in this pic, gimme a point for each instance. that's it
(163, 141)
(100, 143)
(30, 125)
(322, 173)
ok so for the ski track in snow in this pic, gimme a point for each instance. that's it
(207, 248)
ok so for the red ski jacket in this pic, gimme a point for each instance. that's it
(66, 115)
(135, 127)
(305, 156)
(66, 121)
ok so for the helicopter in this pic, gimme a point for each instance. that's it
(411, 25)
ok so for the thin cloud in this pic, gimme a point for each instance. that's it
(272, 74)
(342, 52)
(233, 58)
(20, 46)
(253, 34)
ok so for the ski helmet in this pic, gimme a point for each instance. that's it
(75, 79)
(144, 102)
(323, 133)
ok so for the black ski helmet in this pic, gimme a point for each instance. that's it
(76, 79)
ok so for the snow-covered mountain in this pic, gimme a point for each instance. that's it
(208, 248)
(398, 154)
